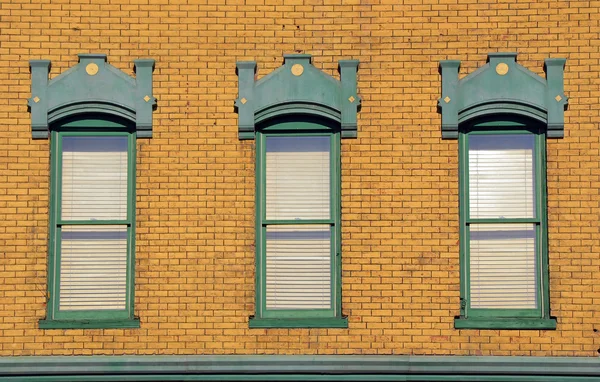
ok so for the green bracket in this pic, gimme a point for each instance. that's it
(91, 87)
(297, 88)
(502, 86)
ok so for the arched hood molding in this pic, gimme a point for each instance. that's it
(502, 86)
(91, 87)
(297, 88)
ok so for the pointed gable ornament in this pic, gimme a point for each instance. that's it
(297, 87)
(502, 86)
(92, 87)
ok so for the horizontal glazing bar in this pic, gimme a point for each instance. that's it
(93, 222)
(300, 221)
(503, 221)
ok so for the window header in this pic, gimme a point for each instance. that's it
(297, 88)
(502, 86)
(92, 87)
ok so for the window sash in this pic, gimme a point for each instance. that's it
(331, 220)
(538, 221)
(124, 311)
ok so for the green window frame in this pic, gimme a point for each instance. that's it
(298, 318)
(474, 317)
(89, 318)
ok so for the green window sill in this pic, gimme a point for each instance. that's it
(505, 323)
(327, 322)
(89, 324)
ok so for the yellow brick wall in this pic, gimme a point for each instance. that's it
(195, 179)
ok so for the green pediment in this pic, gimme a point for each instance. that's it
(92, 87)
(503, 87)
(298, 88)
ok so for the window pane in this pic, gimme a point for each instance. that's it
(501, 176)
(299, 267)
(298, 177)
(503, 266)
(94, 178)
(93, 267)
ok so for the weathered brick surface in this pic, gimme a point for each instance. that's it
(195, 179)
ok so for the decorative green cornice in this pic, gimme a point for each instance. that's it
(297, 88)
(502, 86)
(92, 87)
(321, 368)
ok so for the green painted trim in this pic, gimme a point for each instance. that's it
(499, 318)
(324, 322)
(300, 221)
(89, 324)
(305, 367)
(89, 318)
(287, 92)
(519, 323)
(503, 221)
(61, 222)
(108, 92)
(304, 377)
(304, 127)
(54, 200)
(515, 90)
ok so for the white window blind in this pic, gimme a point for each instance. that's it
(298, 265)
(503, 266)
(501, 177)
(93, 267)
(94, 178)
(502, 256)
(298, 178)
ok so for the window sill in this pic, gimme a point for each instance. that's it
(89, 324)
(328, 322)
(505, 323)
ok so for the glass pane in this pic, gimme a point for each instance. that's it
(501, 176)
(299, 267)
(93, 267)
(503, 266)
(94, 178)
(298, 177)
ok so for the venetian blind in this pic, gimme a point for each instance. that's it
(94, 178)
(502, 256)
(501, 183)
(298, 267)
(503, 266)
(298, 178)
(93, 267)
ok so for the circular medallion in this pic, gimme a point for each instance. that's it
(91, 69)
(502, 68)
(297, 70)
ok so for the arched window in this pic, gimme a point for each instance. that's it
(502, 115)
(93, 116)
(297, 115)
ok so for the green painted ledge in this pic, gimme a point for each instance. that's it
(506, 323)
(295, 368)
(326, 322)
(89, 324)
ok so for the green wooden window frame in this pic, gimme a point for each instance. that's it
(88, 318)
(479, 318)
(300, 318)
